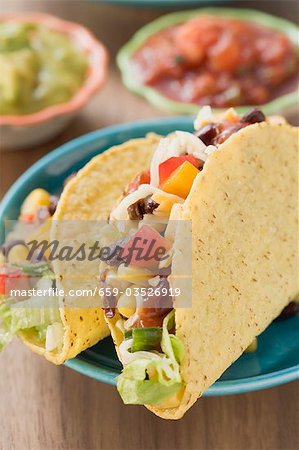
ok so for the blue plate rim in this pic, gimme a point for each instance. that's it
(87, 138)
(100, 373)
(219, 388)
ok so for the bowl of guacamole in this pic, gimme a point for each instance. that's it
(50, 68)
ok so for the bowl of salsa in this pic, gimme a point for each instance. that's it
(224, 57)
(50, 69)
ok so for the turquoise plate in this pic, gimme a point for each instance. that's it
(277, 358)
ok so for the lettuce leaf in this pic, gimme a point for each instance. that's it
(177, 347)
(26, 314)
(151, 377)
(145, 392)
(17, 318)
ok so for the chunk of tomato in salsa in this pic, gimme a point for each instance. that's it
(217, 61)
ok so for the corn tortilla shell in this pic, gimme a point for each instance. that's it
(244, 212)
(89, 196)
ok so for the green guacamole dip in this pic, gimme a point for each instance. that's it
(39, 68)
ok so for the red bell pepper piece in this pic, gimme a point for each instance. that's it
(2, 283)
(142, 178)
(170, 165)
(27, 218)
(13, 280)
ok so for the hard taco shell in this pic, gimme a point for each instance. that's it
(244, 212)
(89, 196)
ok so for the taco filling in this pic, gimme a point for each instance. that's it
(22, 272)
(137, 292)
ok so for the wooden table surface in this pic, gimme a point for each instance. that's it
(48, 407)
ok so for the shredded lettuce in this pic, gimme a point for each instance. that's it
(177, 347)
(151, 377)
(41, 269)
(27, 314)
(145, 392)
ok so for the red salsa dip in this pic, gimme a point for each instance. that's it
(220, 62)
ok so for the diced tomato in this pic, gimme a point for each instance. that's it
(2, 284)
(225, 55)
(170, 165)
(27, 218)
(142, 178)
(13, 280)
(166, 57)
(274, 51)
(259, 94)
(205, 84)
(194, 38)
(143, 248)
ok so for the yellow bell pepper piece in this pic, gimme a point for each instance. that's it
(231, 115)
(36, 198)
(126, 305)
(166, 202)
(181, 180)
(135, 275)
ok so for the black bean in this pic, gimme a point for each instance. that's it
(109, 312)
(253, 116)
(207, 134)
(109, 301)
(289, 311)
(164, 271)
(54, 199)
(135, 211)
(156, 307)
(143, 206)
(227, 132)
(150, 205)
